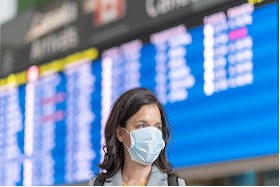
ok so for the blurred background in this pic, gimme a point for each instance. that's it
(213, 64)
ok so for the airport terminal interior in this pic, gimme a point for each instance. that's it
(212, 64)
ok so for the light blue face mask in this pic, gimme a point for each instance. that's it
(146, 145)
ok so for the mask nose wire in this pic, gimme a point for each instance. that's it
(127, 133)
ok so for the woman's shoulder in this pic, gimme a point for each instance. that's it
(158, 174)
(92, 180)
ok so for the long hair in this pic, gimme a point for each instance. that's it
(126, 106)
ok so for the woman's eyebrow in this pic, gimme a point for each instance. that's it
(142, 121)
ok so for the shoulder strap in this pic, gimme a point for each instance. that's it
(172, 180)
(98, 181)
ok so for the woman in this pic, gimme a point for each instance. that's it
(136, 136)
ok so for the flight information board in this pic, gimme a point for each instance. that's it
(218, 82)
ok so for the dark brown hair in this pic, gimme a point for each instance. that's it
(126, 106)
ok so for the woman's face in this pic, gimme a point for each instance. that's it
(147, 116)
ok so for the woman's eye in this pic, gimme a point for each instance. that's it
(141, 126)
(159, 127)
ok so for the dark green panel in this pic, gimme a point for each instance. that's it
(26, 4)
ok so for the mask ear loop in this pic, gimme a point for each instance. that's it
(125, 130)
(127, 133)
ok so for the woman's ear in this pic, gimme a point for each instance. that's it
(120, 133)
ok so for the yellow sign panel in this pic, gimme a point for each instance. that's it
(53, 66)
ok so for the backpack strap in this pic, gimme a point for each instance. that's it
(172, 180)
(98, 181)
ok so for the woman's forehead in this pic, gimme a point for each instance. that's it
(149, 113)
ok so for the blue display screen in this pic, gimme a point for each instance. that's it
(218, 82)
